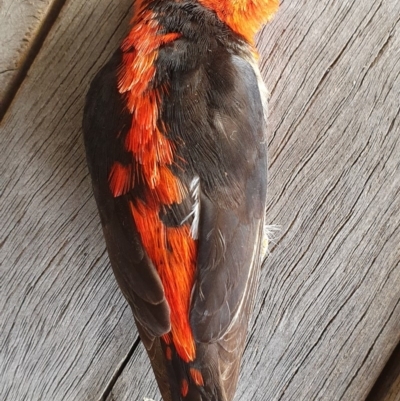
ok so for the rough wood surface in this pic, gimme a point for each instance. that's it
(64, 326)
(387, 388)
(327, 315)
(21, 23)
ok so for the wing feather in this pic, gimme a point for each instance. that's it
(104, 124)
(232, 207)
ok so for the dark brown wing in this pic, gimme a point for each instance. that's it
(231, 220)
(228, 259)
(221, 122)
(105, 123)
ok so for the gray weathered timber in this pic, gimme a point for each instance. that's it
(21, 21)
(326, 318)
(64, 326)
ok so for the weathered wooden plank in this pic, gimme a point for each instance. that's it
(20, 28)
(387, 388)
(327, 314)
(64, 326)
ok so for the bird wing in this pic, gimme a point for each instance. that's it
(232, 210)
(105, 123)
(216, 111)
(222, 126)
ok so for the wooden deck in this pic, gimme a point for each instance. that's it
(327, 318)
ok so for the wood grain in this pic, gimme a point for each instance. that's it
(65, 327)
(327, 315)
(20, 28)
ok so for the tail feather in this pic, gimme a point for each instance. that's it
(214, 373)
(211, 377)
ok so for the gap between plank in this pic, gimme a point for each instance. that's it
(32, 52)
(119, 370)
(388, 379)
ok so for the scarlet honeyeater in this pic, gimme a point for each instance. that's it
(175, 137)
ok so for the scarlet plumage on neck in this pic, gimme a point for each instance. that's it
(244, 17)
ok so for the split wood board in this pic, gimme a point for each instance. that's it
(22, 23)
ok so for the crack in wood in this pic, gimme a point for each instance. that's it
(388, 382)
(32, 53)
(377, 337)
(119, 370)
(7, 70)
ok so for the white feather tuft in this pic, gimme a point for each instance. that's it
(269, 235)
(195, 190)
(195, 212)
